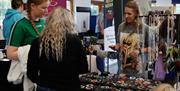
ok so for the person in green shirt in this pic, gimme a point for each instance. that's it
(22, 32)
(27, 29)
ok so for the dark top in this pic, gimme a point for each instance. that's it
(163, 29)
(63, 75)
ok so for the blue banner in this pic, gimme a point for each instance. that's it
(108, 13)
(175, 1)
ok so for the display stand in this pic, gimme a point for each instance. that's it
(90, 54)
(111, 55)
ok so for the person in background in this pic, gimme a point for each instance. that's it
(167, 38)
(99, 29)
(132, 40)
(12, 15)
(57, 57)
(25, 30)
(99, 33)
(163, 27)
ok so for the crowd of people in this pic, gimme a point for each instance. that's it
(55, 55)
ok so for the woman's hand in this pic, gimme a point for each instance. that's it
(134, 53)
(116, 47)
(90, 49)
(126, 65)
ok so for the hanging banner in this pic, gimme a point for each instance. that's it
(56, 3)
(109, 38)
(108, 11)
(153, 1)
(175, 1)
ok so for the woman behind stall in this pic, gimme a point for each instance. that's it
(132, 39)
(57, 57)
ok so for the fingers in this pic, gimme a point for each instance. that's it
(93, 48)
(90, 49)
(115, 47)
(112, 47)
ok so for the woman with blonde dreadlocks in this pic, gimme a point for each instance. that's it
(57, 57)
(28, 28)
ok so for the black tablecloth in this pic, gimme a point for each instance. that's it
(4, 84)
(93, 81)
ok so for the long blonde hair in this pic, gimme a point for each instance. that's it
(163, 87)
(53, 37)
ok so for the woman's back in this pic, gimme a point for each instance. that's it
(61, 75)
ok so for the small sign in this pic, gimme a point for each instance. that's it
(109, 38)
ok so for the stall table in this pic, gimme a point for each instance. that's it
(113, 82)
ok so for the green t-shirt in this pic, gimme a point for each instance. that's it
(23, 33)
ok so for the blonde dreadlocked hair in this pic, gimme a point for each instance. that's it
(53, 37)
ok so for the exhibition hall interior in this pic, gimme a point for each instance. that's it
(89, 45)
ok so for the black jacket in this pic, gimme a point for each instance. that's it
(64, 75)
